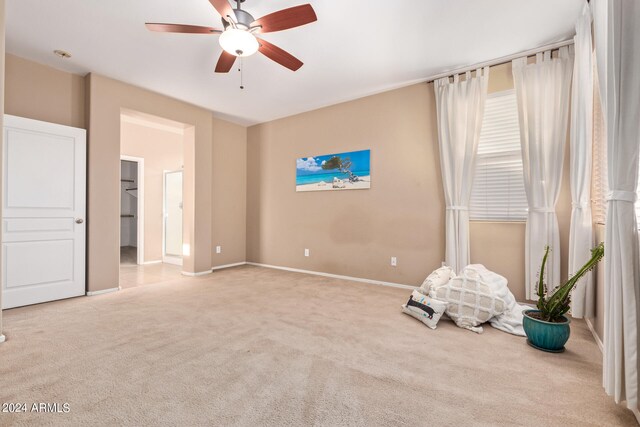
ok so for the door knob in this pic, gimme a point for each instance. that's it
(79, 220)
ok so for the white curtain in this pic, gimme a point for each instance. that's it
(581, 233)
(460, 108)
(618, 56)
(542, 90)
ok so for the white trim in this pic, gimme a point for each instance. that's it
(235, 264)
(335, 276)
(2, 338)
(637, 414)
(157, 261)
(103, 291)
(595, 335)
(140, 203)
(151, 124)
(199, 273)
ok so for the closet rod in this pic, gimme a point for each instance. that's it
(501, 60)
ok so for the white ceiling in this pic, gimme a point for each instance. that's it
(356, 48)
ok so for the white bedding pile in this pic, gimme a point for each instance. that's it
(470, 300)
(475, 296)
(511, 319)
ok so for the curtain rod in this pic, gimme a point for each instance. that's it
(501, 60)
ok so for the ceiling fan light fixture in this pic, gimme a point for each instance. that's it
(238, 42)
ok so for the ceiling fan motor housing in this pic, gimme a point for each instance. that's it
(243, 19)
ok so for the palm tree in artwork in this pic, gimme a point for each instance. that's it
(343, 165)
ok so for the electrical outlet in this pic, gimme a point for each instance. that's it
(394, 261)
(306, 252)
(218, 249)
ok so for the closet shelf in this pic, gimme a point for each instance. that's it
(127, 180)
(127, 216)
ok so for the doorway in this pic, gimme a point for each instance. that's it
(172, 225)
(131, 210)
(157, 145)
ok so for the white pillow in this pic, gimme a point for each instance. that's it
(426, 309)
(511, 320)
(437, 278)
(470, 301)
(496, 282)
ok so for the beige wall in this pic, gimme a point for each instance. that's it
(94, 103)
(43, 93)
(107, 99)
(162, 150)
(499, 246)
(356, 232)
(352, 232)
(229, 192)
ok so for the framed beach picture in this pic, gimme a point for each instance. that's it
(330, 172)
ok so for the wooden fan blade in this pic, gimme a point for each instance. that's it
(225, 62)
(286, 18)
(278, 55)
(180, 28)
(224, 8)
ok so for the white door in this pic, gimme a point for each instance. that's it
(173, 217)
(43, 227)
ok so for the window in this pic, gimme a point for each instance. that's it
(498, 186)
(599, 166)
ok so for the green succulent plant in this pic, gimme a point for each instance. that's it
(553, 306)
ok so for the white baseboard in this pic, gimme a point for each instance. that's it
(199, 273)
(235, 264)
(637, 414)
(335, 276)
(595, 335)
(2, 338)
(103, 291)
(158, 261)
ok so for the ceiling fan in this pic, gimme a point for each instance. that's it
(238, 36)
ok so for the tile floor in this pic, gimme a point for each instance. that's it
(132, 275)
(128, 255)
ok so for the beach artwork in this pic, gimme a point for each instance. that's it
(344, 171)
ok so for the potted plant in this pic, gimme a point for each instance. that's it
(547, 328)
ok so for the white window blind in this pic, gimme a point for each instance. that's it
(498, 186)
(599, 166)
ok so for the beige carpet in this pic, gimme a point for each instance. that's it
(252, 346)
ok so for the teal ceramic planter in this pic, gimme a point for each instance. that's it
(546, 336)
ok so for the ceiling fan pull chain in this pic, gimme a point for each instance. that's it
(241, 72)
